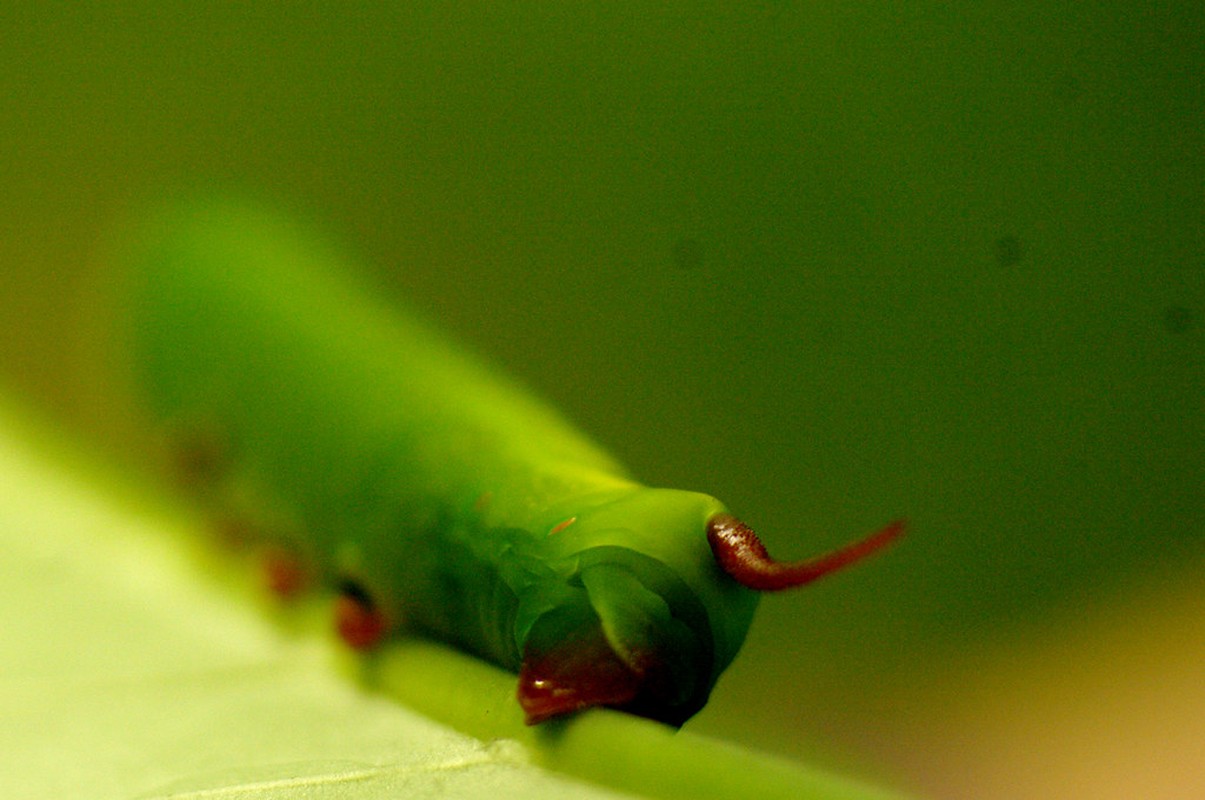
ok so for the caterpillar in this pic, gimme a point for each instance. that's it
(372, 455)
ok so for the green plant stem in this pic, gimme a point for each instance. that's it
(607, 747)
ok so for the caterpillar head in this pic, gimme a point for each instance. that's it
(661, 589)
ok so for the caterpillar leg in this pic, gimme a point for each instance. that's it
(284, 573)
(357, 619)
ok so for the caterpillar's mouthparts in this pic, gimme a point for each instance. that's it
(579, 672)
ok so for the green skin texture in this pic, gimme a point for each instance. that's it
(355, 436)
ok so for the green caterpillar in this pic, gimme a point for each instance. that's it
(432, 493)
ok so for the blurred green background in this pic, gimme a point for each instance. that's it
(832, 263)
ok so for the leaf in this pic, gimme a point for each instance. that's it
(136, 662)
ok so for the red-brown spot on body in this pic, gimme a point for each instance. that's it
(562, 525)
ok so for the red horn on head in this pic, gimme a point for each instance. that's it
(741, 554)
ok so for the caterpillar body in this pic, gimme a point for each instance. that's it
(433, 494)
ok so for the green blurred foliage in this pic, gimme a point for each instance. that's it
(830, 263)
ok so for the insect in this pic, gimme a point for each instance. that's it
(371, 454)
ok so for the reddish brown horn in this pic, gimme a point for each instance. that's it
(741, 554)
